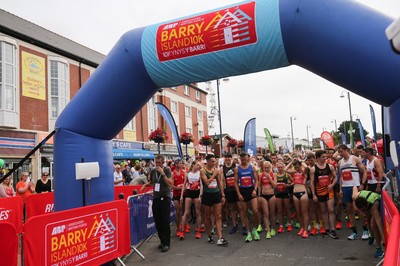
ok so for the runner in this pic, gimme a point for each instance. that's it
(211, 197)
(300, 198)
(350, 167)
(333, 158)
(193, 188)
(267, 199)
(246, 182)
(322, 180)
(374, 171)
(274, 160)
(282, 196)
(178, 175)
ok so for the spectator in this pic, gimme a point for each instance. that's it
(118, 178)
(43, 184)
(6, 190)
(25, 187)
(126, 173)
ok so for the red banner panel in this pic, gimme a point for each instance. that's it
(392, 252)
(8, 245)
(128, 190)
(89, 235)
(37, 204)
(11, 211)
(389, 211)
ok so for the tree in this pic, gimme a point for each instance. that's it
(356, 134)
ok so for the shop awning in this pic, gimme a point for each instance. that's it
(132, 154)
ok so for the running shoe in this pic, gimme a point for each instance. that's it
(181, 235)
(273, 232)
(356, 216)
(268, 236)
(297, 225)
(371, 240)
(244, 231)
(210, 240)
(178, 233)
(305, 234)
(365, 235)
(280, 230)
(213, 231)
(224, 224)
(202, 229)
(233, 230)
(322, 230)
(349, 225)
(379, 253)
(187, 228)
(289, 228)
(198, 235)
(338, 225)
(333, 234)
(313, 231)
(248, 238)
(309, 227)
(222, 242)
(300, 233)
(259, 228)
(353, 236)
(256, 235)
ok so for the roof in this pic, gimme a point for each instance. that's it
(22, 29)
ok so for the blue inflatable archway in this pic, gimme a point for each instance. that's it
(340, 40)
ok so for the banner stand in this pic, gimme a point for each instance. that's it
(137, 251)
(120, 261)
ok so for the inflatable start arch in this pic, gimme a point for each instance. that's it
(340, 40)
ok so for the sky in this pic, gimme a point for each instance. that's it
(275, 95)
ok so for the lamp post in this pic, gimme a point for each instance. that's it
(334, 121)
(291, 127)
(308, 138)
(219, 116)
(351, 116)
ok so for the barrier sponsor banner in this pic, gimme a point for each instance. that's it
(142, 223)
(8, 244)
(91, 235)
(128, 190)
(11, 211)
(392, 252)
(389, 211)
(37, 204)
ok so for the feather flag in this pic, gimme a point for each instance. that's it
(268, 136)
(250, 145)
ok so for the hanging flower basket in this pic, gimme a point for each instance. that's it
(186, 138)
(206, 140)
(158, 136)
(232, 143)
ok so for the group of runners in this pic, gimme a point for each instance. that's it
(278, 192)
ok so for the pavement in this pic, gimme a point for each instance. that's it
(284, 249)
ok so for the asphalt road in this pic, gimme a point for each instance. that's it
(283, 249)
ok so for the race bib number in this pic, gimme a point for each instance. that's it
(369, 175)
(246, 181)
(347, 176)
(265, 181)
(281, 187)
(157, 187)
(230, 181)
(213, 184)
(298, 179)
(194, 186)
(324, 181)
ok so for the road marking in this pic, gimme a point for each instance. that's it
(179, 254)
(270, 255)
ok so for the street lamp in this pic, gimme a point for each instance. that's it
(308, 139)
(334, 121)
(219, 115)
(291, 126)
(351, 116)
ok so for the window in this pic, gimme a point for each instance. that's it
(198, 95)
(201, 133)
(152, 111)
(173, 88)
(59, 87)
(186, 90)
(199, 115)
(8, 66)
(188, 111)
(174, 107)
(189, 130)
(131, 124)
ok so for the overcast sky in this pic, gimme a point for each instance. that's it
(271, 96)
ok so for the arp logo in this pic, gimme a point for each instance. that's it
(4, 214)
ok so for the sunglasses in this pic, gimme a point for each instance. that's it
(45, 175)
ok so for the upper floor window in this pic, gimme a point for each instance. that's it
(188, 111)
(152, 111)
(59, 87)
(131, 124)
(186, 90)
(8, 66)
(189, 130)
(201, 133)
(198, 95)
(199, 115)
(174, 107)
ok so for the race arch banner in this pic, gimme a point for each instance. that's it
(11, 211)
(37, 204)
(89, 235)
